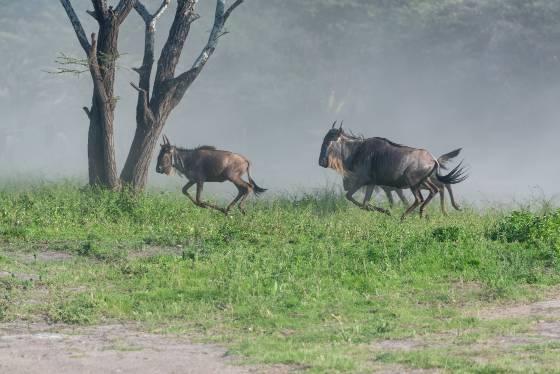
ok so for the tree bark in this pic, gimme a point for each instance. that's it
(102, 55)
(152, 112)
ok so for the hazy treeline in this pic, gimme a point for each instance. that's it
(478, 74)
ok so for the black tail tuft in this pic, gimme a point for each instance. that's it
(457, 175)
(256, 189)
(444, 159)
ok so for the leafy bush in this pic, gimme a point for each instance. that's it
(527, 227)
(447, 234)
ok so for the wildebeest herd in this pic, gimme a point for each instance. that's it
(363, 162)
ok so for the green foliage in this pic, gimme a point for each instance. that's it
(527, 227)
(83, 310)
(296, 277)
(448, 233)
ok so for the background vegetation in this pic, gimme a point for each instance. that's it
(306, 280)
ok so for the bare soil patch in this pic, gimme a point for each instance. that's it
(39, 348)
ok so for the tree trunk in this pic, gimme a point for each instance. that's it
(136, 168)
(102, 55)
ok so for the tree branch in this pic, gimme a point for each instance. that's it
(142, 11)
(123, 9)
(219, 21)
(231, 9)
(171, 51)
(77, 25)
(88, 112)
(183, 81)
(100, 7)
(146, 112)
(99, 87)
(145, 71)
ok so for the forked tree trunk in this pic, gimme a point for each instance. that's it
(168, 90)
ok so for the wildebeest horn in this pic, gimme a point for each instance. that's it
(334, 123)
(165, 140)
(341, 122)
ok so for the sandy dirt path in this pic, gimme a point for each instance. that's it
(110, 349)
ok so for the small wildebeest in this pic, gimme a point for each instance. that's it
(207, 164)
(379, 161)
(442, 160)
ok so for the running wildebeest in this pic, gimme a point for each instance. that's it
(207, 164)
(379, 161)
(442, 160)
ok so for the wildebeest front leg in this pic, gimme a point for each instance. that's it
(403, 198)
(389, 195)
(417, 201)
(186, 193)
(203, 204)
(368, 193)
(433, 191)
(350, 196)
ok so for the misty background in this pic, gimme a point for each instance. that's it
(482, 75)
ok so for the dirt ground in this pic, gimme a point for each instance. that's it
(46, 349)
(41, 348)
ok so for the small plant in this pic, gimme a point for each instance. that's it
(82, 310)
(524, 227)
(447, 234)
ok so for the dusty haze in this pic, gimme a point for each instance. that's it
(482, 75)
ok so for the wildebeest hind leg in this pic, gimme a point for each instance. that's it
(244, 190)
(452, 198)
(442, 201)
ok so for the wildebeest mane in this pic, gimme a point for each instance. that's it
(390, 142)
(205, 148)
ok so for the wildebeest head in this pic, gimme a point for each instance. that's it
(332, 136)
(165, 157)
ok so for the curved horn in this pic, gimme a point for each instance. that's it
(165, 140)
(334, 123)
(341, 122)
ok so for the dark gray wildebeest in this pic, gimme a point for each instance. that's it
(442, 160)
(379, 161)
(208, 164)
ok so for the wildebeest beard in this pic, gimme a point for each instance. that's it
(341, 156)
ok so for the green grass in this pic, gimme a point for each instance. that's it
(307, 280)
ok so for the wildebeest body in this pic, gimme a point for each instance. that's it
(208, 164)
(381, 162)
(378, 161)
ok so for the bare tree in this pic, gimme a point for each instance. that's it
(156, 103)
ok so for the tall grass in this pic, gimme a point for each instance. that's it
(296, 274)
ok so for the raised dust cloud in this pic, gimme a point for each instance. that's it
(468, 76)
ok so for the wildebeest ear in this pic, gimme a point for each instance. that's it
(334, 123)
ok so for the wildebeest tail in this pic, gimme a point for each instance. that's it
(256, 189)
(457, 175)
(444, 159)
